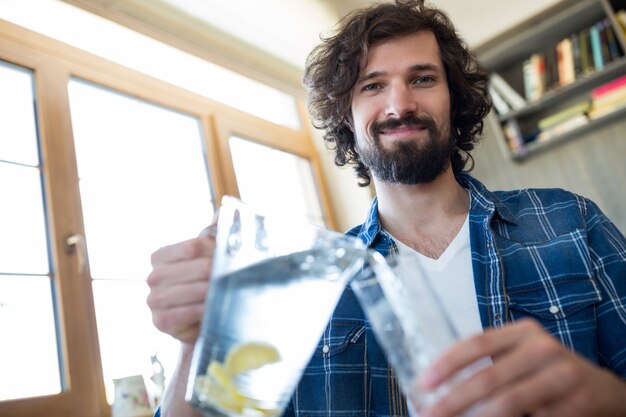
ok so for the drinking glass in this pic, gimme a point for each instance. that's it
(273, 289)
(409, 322)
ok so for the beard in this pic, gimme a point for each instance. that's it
(409, 162)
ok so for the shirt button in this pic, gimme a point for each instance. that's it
(554, 309)
(498, 316)
(326, 349)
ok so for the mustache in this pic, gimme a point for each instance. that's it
(410, 120)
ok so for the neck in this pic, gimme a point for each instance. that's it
(409, 209)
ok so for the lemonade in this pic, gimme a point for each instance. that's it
(261, 326)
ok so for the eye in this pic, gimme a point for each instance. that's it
(424, 79)
(371, 87)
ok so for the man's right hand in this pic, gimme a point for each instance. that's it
(178, 286)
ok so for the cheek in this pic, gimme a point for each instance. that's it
(359, 124)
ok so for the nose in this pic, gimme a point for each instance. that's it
(400, 102)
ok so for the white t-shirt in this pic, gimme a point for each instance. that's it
(453, 279)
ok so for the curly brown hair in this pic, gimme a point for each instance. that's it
(333, 67)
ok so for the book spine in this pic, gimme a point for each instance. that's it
(560, 63)
(620, 16)
(596, 48)
(610, 98)
(501, 106)
(614, 47)
(568, 62)
(578, 68)
(584, 52)
(567, 113)
(608, 87)
(507, 92)
(514, 137)
(533, 70)
(551, 70)
(563, 127)
(606, 54)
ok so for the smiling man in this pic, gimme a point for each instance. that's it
(534, 279)
(397, 139)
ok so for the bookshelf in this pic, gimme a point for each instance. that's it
(548, 92)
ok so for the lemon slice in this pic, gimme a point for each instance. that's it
(216, 372)
(249, 356)
(217, 385)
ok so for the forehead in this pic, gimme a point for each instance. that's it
(403, 52)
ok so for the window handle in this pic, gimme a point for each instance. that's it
(78, 244)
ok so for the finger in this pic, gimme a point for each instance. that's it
(182, 324)
(211, 229)
(533, 393)
(163, 298)
(188, 249)
(529, 358)
(170, 274)
(492, 343)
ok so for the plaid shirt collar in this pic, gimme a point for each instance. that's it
(483, 201)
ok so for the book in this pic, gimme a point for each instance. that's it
(578, 68)
(604, 41)
(586, 56)
(563, 127)
(533, 73)
(551, 71)
(608, 87)
(527, 79)
(610, 98)
(605, 110)
(565, 114)
(514, 138)
(515, 100)
(566, 62)
(500, 104)
(613, 45)
(538, 73)
(620, 16)
(596, 47)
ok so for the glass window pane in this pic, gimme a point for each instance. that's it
(127, 335)
(117, 43)
(18, 132)
(28, 352)
(143, 178)
(23, 245)
(276, 181)
(143, 184)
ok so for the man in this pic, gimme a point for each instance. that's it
(400, 97)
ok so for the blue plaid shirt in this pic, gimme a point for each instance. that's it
(547, 254)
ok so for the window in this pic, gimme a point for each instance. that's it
(105, 38)
(276, 181)
(143, 184)
(26, 287)
(90, 148)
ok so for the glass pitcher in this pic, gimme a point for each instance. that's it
(273, 289)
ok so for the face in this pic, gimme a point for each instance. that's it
(401, 111)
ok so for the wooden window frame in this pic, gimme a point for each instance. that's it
(54, 64)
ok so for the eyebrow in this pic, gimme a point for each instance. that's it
(414, 68)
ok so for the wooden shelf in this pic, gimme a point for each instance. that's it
(533, 148)
(508, 54)
(612, 70)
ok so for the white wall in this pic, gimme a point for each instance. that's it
(349, 202)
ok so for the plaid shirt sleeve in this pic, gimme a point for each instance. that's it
(607, 247)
